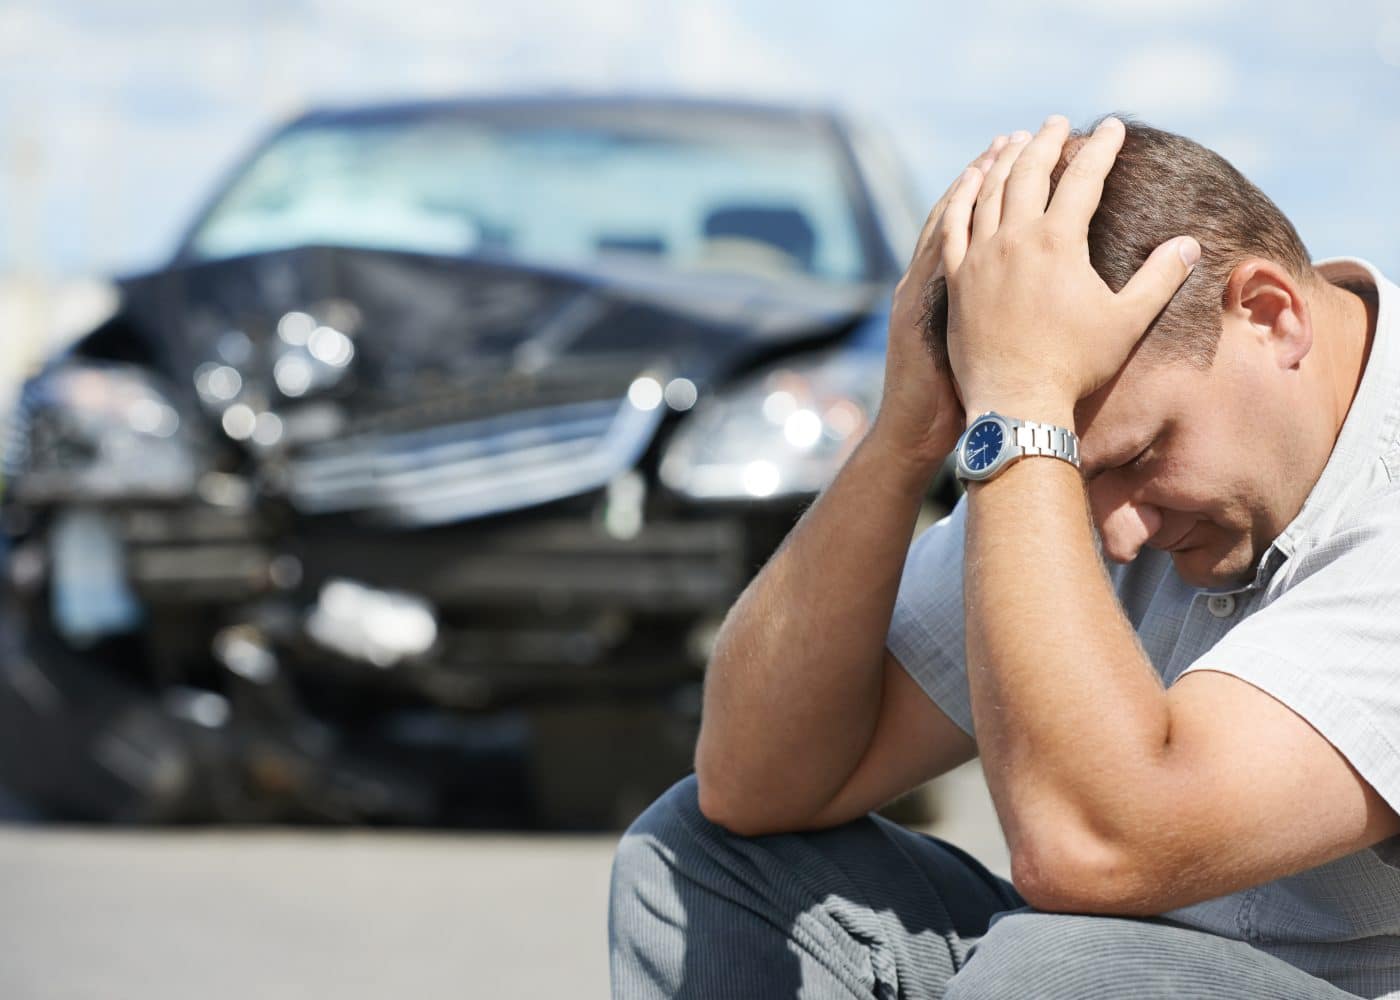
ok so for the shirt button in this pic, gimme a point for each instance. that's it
(1221, 605)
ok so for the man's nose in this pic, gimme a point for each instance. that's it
(1125, 526)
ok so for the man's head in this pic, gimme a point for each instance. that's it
(1210, 437)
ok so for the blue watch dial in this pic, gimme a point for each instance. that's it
(983, 445)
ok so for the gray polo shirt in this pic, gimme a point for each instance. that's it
(1318, 628)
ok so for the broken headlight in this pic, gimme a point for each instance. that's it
(784, 431)
(93, 432)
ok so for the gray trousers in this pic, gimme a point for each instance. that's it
(871, 909)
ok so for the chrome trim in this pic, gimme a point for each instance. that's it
(475, 468)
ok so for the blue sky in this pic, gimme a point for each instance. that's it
(116, 118)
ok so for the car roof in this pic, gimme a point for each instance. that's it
(549, 104)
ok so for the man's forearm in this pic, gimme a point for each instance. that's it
(793, 688)
(1070, 716)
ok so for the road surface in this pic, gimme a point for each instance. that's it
(235, 915)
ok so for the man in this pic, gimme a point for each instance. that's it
(1195, 757)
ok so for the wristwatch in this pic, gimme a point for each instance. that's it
(992, 442)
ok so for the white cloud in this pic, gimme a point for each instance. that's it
(1171, 79)
(1138, 10)
(1388, 41)
(606, 44)
(1249, 153)
(1000, 68)
(161, 95)
(718, 52)
(22, 29)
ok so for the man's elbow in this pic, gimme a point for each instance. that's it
(1063, 872)
(723, 812)
(713, 805)
(716, 795)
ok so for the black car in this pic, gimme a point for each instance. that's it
(418, 482)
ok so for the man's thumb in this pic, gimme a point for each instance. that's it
(1148, 292)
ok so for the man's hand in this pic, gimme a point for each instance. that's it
(1032, 328)
(920, 414)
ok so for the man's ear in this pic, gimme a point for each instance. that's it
(1270, 301)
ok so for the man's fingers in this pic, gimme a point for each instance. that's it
(982, 161)
(1081, 186)
(988, 217)
(958, 218)
(1147, 293)
(1028, 186)
(989, 156)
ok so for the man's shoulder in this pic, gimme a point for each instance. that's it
(1367, 521)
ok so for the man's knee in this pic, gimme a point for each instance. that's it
(678, 804)
(648, 850)
(662, 829)
(652, 908)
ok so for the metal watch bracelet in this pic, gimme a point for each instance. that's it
(1045, 439)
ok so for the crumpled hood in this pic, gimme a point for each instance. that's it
(475, 386)
(426, 322)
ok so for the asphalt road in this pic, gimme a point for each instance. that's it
(233, 915)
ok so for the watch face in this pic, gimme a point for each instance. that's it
(983, 445)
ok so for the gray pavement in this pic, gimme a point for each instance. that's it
(215, 914)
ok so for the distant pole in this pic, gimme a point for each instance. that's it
(30, 293)
(110, 206)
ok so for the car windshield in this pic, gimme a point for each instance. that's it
(749, 196)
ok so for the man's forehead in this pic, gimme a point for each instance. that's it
(1115, 422)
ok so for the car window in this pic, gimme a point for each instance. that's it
(753, 199)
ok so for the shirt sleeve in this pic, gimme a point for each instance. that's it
(927, 630)
(1329, 646)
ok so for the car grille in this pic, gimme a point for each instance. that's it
(477, 467)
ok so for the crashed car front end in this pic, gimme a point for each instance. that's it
(355, 533)
(299, 538)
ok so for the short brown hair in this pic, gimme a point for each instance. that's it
(1164, 185)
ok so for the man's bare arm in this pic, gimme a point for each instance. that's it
(913, 742)
(794, 690)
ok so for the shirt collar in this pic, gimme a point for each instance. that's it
(1372, 422)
